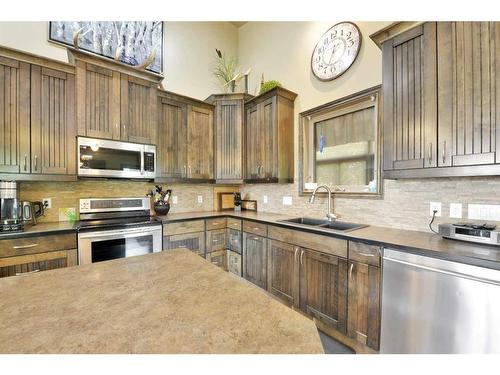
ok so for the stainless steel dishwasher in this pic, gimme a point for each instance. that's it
(431, 305)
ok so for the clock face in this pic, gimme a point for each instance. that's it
(336, 51)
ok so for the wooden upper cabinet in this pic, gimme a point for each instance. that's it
(53, 130)
(14, 116)
(172, 122)
(138, 110)
(468, 93)
(410, 99)
(98, 101)
(229, 136)
(323, 288)
(269, 130)
(200, 143)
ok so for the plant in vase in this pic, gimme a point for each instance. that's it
(161, 199)
(225, 70)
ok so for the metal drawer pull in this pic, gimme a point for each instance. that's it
(215, 223)
(301, 255)
(182, 246)
(350, 270)
(367, 254)
(26, 273)
(256, 238)
(256, 228)
(25, 246)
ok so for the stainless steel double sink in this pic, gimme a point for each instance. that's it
(325, 224)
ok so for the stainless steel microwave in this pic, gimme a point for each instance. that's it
(105, 158)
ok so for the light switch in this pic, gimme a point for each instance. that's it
(174, 199)
(456, 210)
(287, 201)
(200, 198)
(265, 199)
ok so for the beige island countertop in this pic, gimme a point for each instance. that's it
(168, 302)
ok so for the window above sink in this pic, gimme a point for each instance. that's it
(340, 146)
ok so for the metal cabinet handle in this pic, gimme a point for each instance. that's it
(25, 162)
(430, 153)
(36, 162)
(189, 168)
(350, 270)
(26, 273)
(301, 255)
(295, 254)
(182, 246)
(256, 239)
(367, 254)
(185, 170)
(444, 152)
(25, 246)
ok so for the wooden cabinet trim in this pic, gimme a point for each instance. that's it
(182, 227)
(255, 228)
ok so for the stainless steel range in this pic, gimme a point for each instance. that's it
(113, 228)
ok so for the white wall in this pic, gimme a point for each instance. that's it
(189, 50)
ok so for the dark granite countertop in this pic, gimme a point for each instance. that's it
(423, 243)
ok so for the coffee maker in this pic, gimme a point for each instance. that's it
(11, 216)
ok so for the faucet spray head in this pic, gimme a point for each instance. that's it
(311, 198)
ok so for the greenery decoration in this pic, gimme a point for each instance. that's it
(268, 85)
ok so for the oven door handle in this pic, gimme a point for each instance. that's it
(120, 233)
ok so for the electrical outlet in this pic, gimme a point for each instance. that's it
(200, 198)
(265, 199)
(483, 212)
(47, 202)
(435, 206)
(456, 210)
(174, 199)
(287, 201)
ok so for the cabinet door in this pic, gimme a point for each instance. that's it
(229, 140)
(323, 288)
(234, 240)
(27, 264)
(192, 241)
(14, 116)
(219, 258)
(255, 259)
(410, 99)
(283, 271)
(363, 312)
(234, 263)
(53, 132)
(172, 118)
(469, 87)
(268, 139)
(138, 110)
(98, 101)
(252, 142)
(200, 143)
(216, 240)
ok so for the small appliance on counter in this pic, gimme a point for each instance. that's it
(11, 216)
(471, 232)
(237, 201)
(31, 210)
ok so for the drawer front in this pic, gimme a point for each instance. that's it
(216, 240)
(218, 223)
(324, 244)
(234, 240)
(182, 227)
(255, 228)
(363, 253)
(218, 258)
(234, 223)
(37, 244)
(34, 263)
(192, 241)
(234, 263)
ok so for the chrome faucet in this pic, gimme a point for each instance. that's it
(330, 215)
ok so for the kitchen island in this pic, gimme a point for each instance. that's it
(169, 302)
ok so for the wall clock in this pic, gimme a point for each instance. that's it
(335, 51)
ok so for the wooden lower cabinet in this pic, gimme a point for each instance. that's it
(283, 271)
(33, 263)
(216, 240)
(219, 258)
(234, 262)
(363, 310)
(192, 241)
(323, 287)
(255, 259)
(234, 240)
